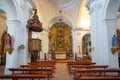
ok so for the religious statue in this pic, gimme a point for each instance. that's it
(115, 44)
(114, 41)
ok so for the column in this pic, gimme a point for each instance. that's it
(94, 34)
(74, 44)
(11, 59)
(101, 37)
(110, 24)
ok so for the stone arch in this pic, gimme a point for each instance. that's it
(111, 9)
(60, 37)
(86, 43)
(10, 8)
(60, 19)
(110, 20)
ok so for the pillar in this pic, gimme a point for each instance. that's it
(94, 33)
(74, 40)
(11, 59)
(102, 31)
(110, 24)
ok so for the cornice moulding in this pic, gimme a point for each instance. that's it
(80, 29)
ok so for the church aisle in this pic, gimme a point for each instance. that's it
(62, 73)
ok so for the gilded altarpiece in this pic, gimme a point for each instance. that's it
(60, 39)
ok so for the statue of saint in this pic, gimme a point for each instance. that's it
(114, 41)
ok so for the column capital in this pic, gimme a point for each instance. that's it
(110, 22)
(93, 4)
(80, 29)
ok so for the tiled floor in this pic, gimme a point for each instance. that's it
(62, 72)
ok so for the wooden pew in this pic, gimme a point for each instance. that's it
(70, 64)
(22, 76)
(37, 66)
(25, 71)
(100, 78)
(96, 73)
(78, 67)
(52, 62)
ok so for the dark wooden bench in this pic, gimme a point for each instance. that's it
(100, 78)
(38, 66)
(43, 62)
(96, 73)
(78, 67)
(22, 76)
(70, 64)
(25, 71)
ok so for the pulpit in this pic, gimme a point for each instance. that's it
(34, 47)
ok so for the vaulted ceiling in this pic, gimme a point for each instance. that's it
(51, 11)
(72, 12)
(64, 4)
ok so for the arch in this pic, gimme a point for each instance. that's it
(83, 21)
(60, 19)
(111, 8)
(86, 43)
(60, 37)
(87, 34)
(10, 9)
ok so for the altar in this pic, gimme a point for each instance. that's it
(60, 55)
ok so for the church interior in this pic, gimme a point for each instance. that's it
(60, 40)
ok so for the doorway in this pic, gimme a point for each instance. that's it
(86, 45)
